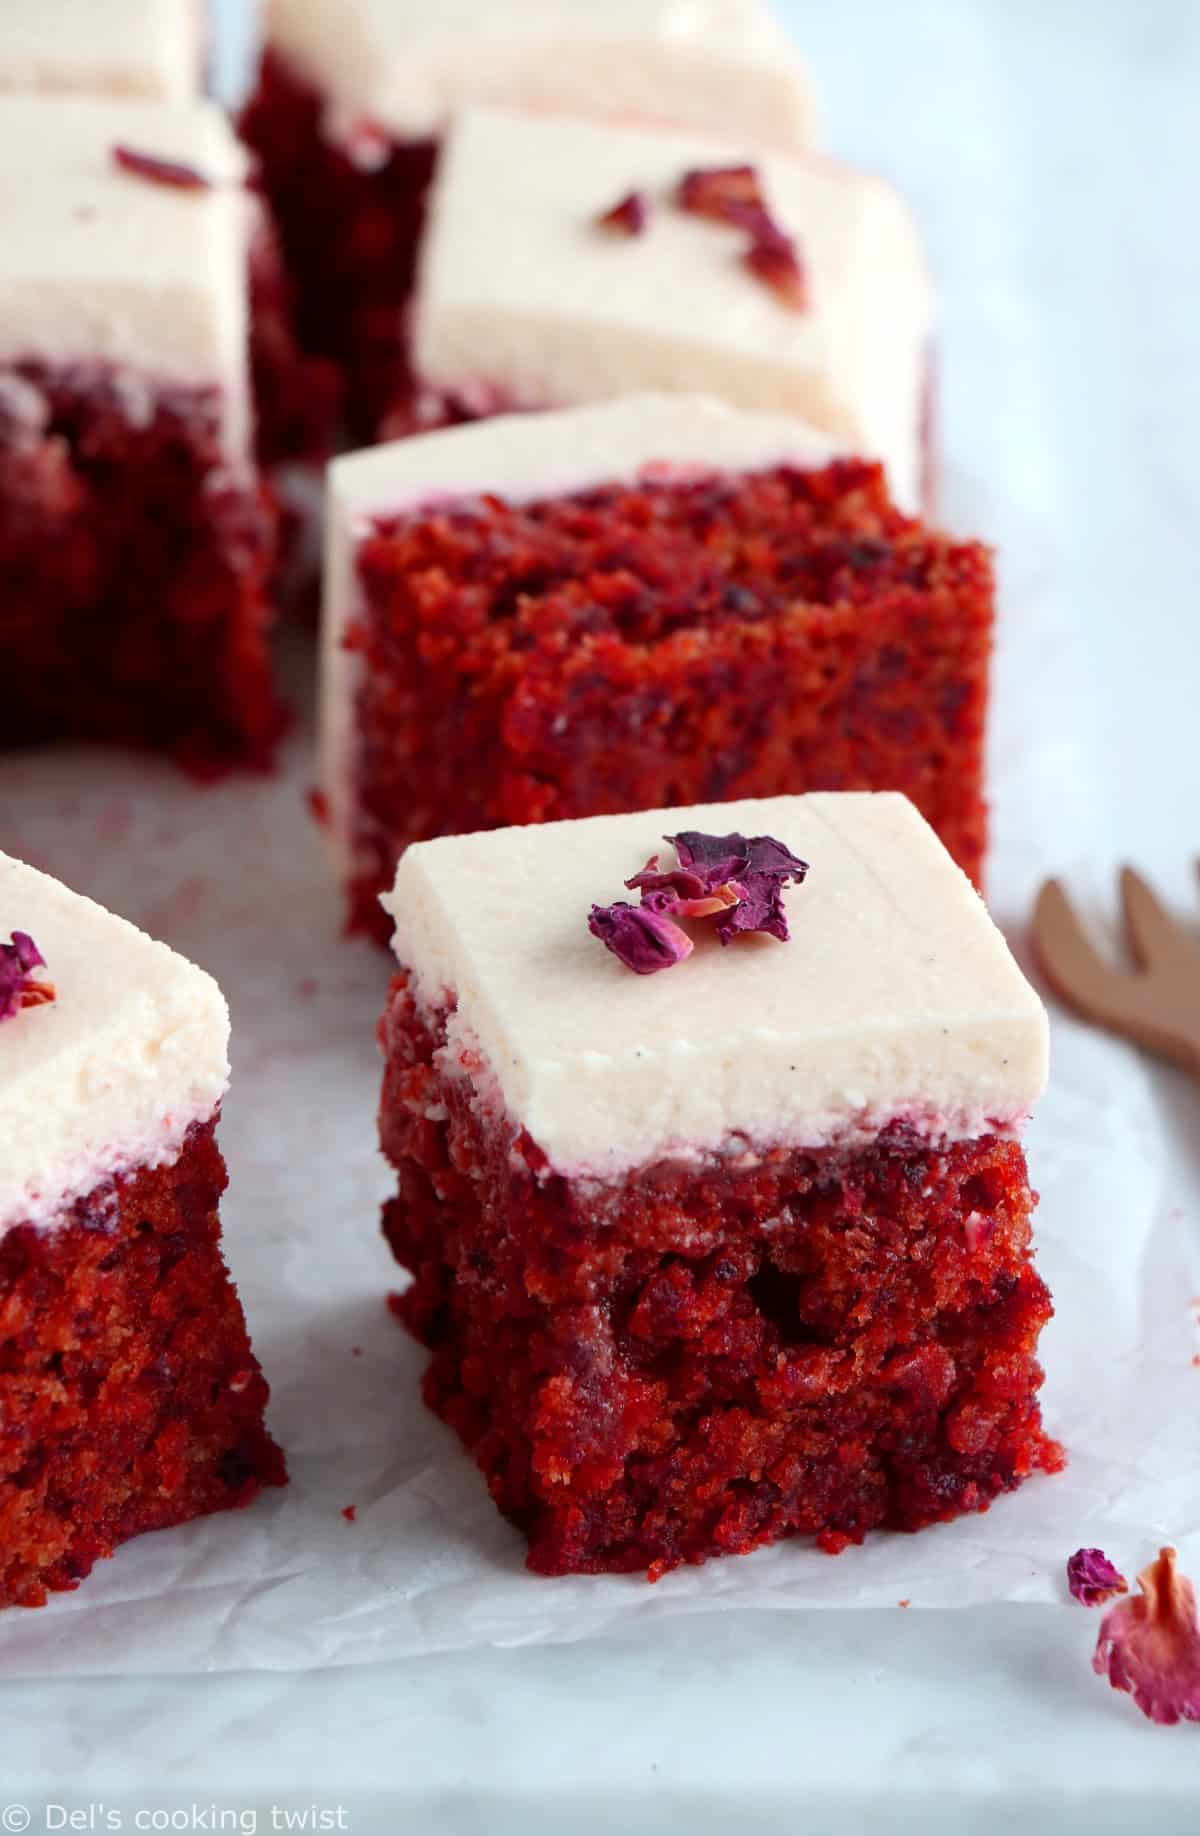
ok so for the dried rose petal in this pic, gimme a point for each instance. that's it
(768, 867)
(161, 171)
(631, 216)
(1149, 1644)
(687, 893)
(720, 192)
(19, 985)
(643, 940)
(1093, 1579)
(773, 259)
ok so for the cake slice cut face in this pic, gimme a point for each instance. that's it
(734, 1251)
(655, 600)
(355, 95)
(148, 50)
(129, 1396)
(136, 542)
(796, 287)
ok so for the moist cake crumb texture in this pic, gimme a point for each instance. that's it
(654, 642)
(137, 541)
(695, 1348)
(129, 1396)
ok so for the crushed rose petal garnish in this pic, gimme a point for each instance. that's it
(720, 192)
(161, 171)
(739, 881)
(1093, 1579)
(764, 867)
(1149, 1644)
(688, 892)
(631, 216)
(20, 985)
(642, 939)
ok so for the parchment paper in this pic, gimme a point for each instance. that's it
(234, 876)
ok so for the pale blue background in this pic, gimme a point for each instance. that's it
(1051, 148)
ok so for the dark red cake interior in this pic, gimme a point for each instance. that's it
(349, 228)
(136, 566)
(665, 643)
(704, 1358)
(129, 1396)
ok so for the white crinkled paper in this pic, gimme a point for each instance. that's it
(234, 877)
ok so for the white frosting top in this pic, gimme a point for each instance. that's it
(719, 66)
(150, 49)
(521, 458)
(101, 265)
(519, 290)
(113, 1072)
(895, 999)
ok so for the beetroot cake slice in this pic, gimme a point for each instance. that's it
(137, 541)
(354, 96)
(714, 1256)
(654, 601)
(129, 1396)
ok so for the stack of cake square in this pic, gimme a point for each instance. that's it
(716, 1235)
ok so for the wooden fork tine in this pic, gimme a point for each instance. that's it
(1154, 937)
(1069, 960)
(1160, 1007)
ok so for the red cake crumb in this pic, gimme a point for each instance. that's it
(665, 643)
(350, 1512)
(136, 566)
(701, 1359)
(349, 233)
(129, 1396)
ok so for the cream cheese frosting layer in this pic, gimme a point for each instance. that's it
(519, 290)
(521, 458)
(102, 265)
(896, 998)
(149, 49)
(113, 1072)
(719, 66)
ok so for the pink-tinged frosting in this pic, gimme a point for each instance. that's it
(895, 1001)
(113, 1072)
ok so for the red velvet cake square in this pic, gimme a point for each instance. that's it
(130, 1399)
(355, 94)
(735, 1247)
(655, 601)
(137, 542)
